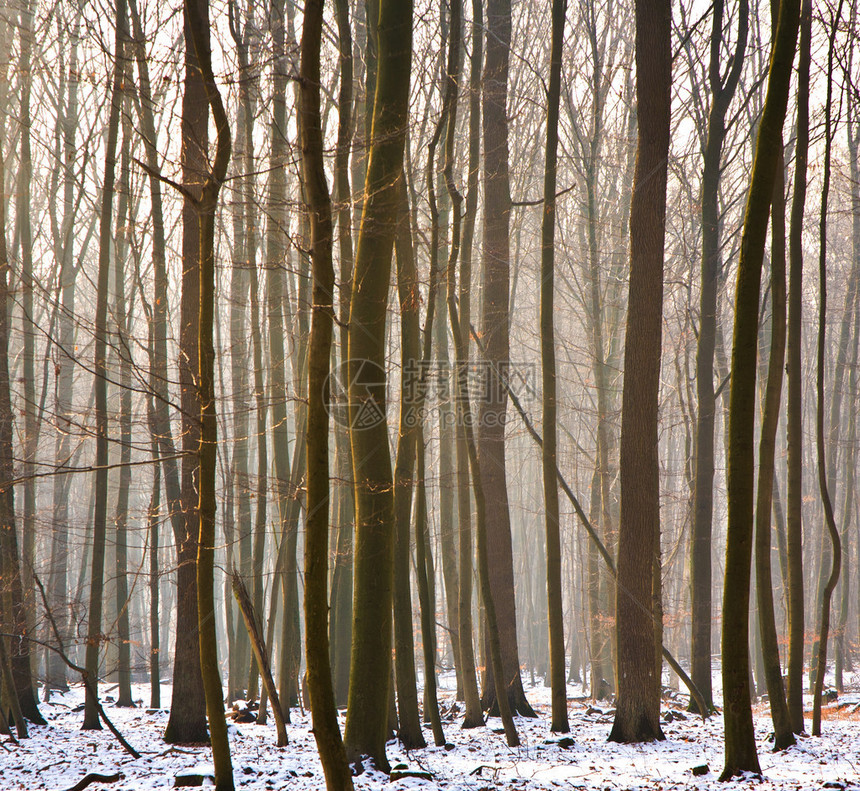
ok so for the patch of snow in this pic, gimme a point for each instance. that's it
(59, 755)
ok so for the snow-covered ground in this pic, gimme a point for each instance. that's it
(60, 755)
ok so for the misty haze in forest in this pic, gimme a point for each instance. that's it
(382, 370)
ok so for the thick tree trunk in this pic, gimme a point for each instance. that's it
(783, 735)
(637, 716)
(187, 722)
(367, 711)
(495, 321)
(20, 652)
(12, 616)
(240, 647)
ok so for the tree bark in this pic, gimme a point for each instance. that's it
(92, 720)
(830, 520)
(411, 408)
(340, 628)
(495, 330)
(367, 709)
(783, 735)
(722, 92)
(187, 722)
(794, 430)
(637, 716)
(207, 449)
(549, 458)
(740, 747)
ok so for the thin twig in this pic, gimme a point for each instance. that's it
(78, 669)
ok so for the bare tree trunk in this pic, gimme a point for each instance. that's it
(197, 14)
(548, 369)
(472, 716)
(20, 653)
(12, 616)
(340, 628)
(794, 496)
(92, 720)
(495, 330)
(637, 716)
(740, 743)
(65, 368)
(187, 723)
(722, 92)
(411, 406)
(783, 735)
(243, 245)
(123, 317)
(830, 520)
(367, 711)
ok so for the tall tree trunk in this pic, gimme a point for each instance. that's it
(637, 716)
(740, 755)
(340, 629)
(21, 654)
(100, 478)
(794, 496)
(851, 312)
(367, 711)
(495, 322)
(783, 735)
(187, 722)
(472, 715)
(830, 520)
(722, 93)
(325, 724)
(548, 370)
(123, 317)
(243, 244)
(411, 407)
(64, 368)
(197, 15)
(12, 615)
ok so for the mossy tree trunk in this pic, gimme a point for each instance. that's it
(740, 747)
(783, 735)
(370, 662)
(722, 91)
(411, 406)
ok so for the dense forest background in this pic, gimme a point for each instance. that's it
(514, 340)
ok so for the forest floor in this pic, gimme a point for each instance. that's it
(60, 755)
